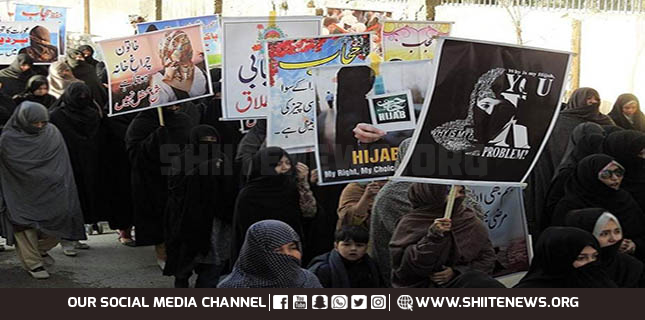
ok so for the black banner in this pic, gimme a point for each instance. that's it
(490, 112)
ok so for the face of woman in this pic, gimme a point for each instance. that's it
(488, 104)
(283, 166)
(586, 256)
(25, 67)
(42, 90)
(609, 234)
(86, 53)
(39, 124)
(612, 175)
(592, 100)
(290, 249)
(629, 109)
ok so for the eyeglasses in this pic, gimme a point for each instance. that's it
(606, 174)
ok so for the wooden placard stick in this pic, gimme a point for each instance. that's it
(160, 113)
(451, 202)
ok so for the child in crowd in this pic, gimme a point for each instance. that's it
(348, 265)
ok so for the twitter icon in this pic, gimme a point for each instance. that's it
(359, 302)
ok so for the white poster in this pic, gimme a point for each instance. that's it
(245, 92)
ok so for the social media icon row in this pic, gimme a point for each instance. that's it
(356, 302)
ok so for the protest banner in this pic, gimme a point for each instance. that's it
(292, 98)
(490, 113)
(412, 40)
(344, 20)
(39, 13)
(37, 39)
(245, 93)
(156, 69)
(210, 29)
(505, 219)
(343, 94)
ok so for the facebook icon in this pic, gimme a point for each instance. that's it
(280, 302)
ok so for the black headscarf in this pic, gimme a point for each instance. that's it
(552, 265)
(78, 106)
(259, 266)
(623, 269)
(101, 71)
(619, 117)
(90, 58)
(585, 190)
(267, 195)
(34, 83)
(625, 146)
(587, 139)
(577, 106)
(86, 72)
(13, 79)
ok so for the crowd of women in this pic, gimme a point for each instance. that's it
(220, 204)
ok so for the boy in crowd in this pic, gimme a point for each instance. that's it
(348, 265)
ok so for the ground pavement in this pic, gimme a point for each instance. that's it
(107, 264)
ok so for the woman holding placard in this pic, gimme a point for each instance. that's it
(431, 249)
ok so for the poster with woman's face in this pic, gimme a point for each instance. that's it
(156, 69)
(491, 110)
(37, 39)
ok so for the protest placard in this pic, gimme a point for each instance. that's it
(245, 93)
(343, 94)
(491, 109)
(292, 99)
(38, 13)
(344, 20)
(505, 219)
(37, 39)
(210, 28)
(412, 40)
(156, 69)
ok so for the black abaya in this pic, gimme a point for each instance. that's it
(585, 190)
(552, 266)
(625, 270)
(150, 148)
(116, 172)
(625, 146)
(587, 139)
(574, 112)
(638, 119)
(199, 192)
(87, 73)
(267, 195)
(78, 120)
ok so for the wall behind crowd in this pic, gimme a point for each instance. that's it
(612, 58)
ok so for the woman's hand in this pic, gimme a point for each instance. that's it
(443, 277)
(302, 171)
(366, 133)
(314, 176)
(440, 226)
(628, 246)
